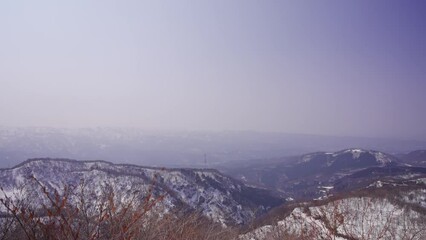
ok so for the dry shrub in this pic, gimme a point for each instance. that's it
(76, 213)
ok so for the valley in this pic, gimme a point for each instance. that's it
(298, 197)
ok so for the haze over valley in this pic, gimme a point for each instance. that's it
(213, 120)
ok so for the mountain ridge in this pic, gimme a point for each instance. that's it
(315, 175)
(217, 196)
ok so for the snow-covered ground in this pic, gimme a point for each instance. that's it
(218, 197)
(350, 218)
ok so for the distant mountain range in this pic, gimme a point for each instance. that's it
(176, 149)
(317, 175)
(414, 158)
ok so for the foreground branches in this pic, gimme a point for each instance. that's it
(79, 212)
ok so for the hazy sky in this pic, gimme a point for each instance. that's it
(321, 67)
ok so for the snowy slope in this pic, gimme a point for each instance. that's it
(349, 218)
(317, 174)
(349, 158)
(219, 197)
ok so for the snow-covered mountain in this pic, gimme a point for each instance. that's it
(216, 196)
(349, 158)
(359, 194)
(396, 214)
(318, 174)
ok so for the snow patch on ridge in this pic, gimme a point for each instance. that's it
(381, 158)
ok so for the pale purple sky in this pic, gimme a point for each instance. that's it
(352, 68)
